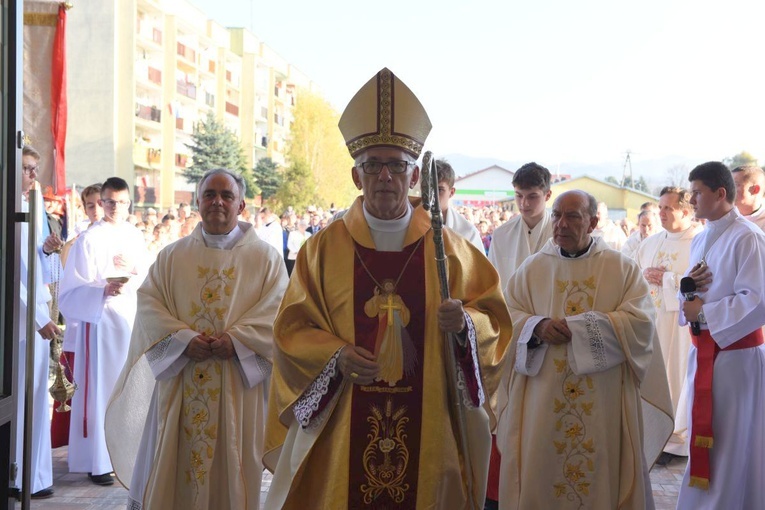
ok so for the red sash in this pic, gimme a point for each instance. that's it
(702, 438)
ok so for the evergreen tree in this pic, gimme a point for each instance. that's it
(298, 188)
(267, 177)
(215, 146)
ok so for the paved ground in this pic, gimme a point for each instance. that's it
(76, 492)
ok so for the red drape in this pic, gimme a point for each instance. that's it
(58, 101)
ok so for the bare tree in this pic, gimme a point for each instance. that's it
(678, 175)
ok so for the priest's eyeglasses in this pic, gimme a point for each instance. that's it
(395, 167)
(114, 203)
(28, 169)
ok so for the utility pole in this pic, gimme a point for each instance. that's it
(627, 163)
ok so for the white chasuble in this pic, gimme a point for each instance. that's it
(571, 416)
(513, 242)
(186, 434)
(671, 252)
(758, 217)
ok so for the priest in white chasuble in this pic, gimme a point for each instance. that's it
(663, 258)
(571, 415)
(358, 411)
(186, 422)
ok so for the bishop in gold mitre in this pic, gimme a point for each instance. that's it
(359, 418)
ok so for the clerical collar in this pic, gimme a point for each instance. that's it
(723, 221)
(223, 241)
(396, 225)
(577, 254)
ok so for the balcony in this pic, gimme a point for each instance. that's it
(184, 51)
(179, 123)
(181, 160)
(145, 195)
(155, 75)
(154, 155)
(151, 113)
(232, 109)
(186, 89)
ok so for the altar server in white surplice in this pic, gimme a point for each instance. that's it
(104, 269)
(663, 258)
(185, 426)
(41, 463)
(726, 364)
(750, 186)
(571, 418)
(452, 218)
(525, 234)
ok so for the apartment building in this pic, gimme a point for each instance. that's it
(142, 73)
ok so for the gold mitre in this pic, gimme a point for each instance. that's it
(385, 113)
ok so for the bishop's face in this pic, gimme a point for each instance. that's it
(385, 193)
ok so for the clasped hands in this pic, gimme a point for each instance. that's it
(553, 331)
(203, 347)
(361, 366)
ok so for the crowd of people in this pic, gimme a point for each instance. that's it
(547, 361)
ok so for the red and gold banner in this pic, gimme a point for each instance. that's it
(45, 101)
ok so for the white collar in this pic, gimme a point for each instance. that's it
(223, 241)
(396, 225)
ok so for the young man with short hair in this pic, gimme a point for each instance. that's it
(106, 266)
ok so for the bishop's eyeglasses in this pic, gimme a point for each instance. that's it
(395, 167)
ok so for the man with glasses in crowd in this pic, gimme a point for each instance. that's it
(105, 268)
(359, 380)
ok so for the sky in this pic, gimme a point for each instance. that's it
(548, 80)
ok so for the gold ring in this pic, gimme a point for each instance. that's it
(354, 375)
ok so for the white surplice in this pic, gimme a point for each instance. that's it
(41, 460)
(513, 242)
(571, 418)
(185, 434)
(457, 222)
(734, 250)
(103, 336)
(672, 252)
(631, 245)
(612, 234)
(758, 217)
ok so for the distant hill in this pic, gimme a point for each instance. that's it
(657, 172)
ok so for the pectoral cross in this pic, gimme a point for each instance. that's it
(390, 307)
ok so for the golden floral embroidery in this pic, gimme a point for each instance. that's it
(202, 385)
(207, 317)
(199, 419)
(664, 260)
(571, 440)
(387, 436)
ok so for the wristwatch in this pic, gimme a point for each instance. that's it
(701, 319)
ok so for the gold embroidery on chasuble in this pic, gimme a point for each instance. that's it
(386, 456)
(386, 415)
(393, 317)
(202, 385)
(573, 405)
(665, 260)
